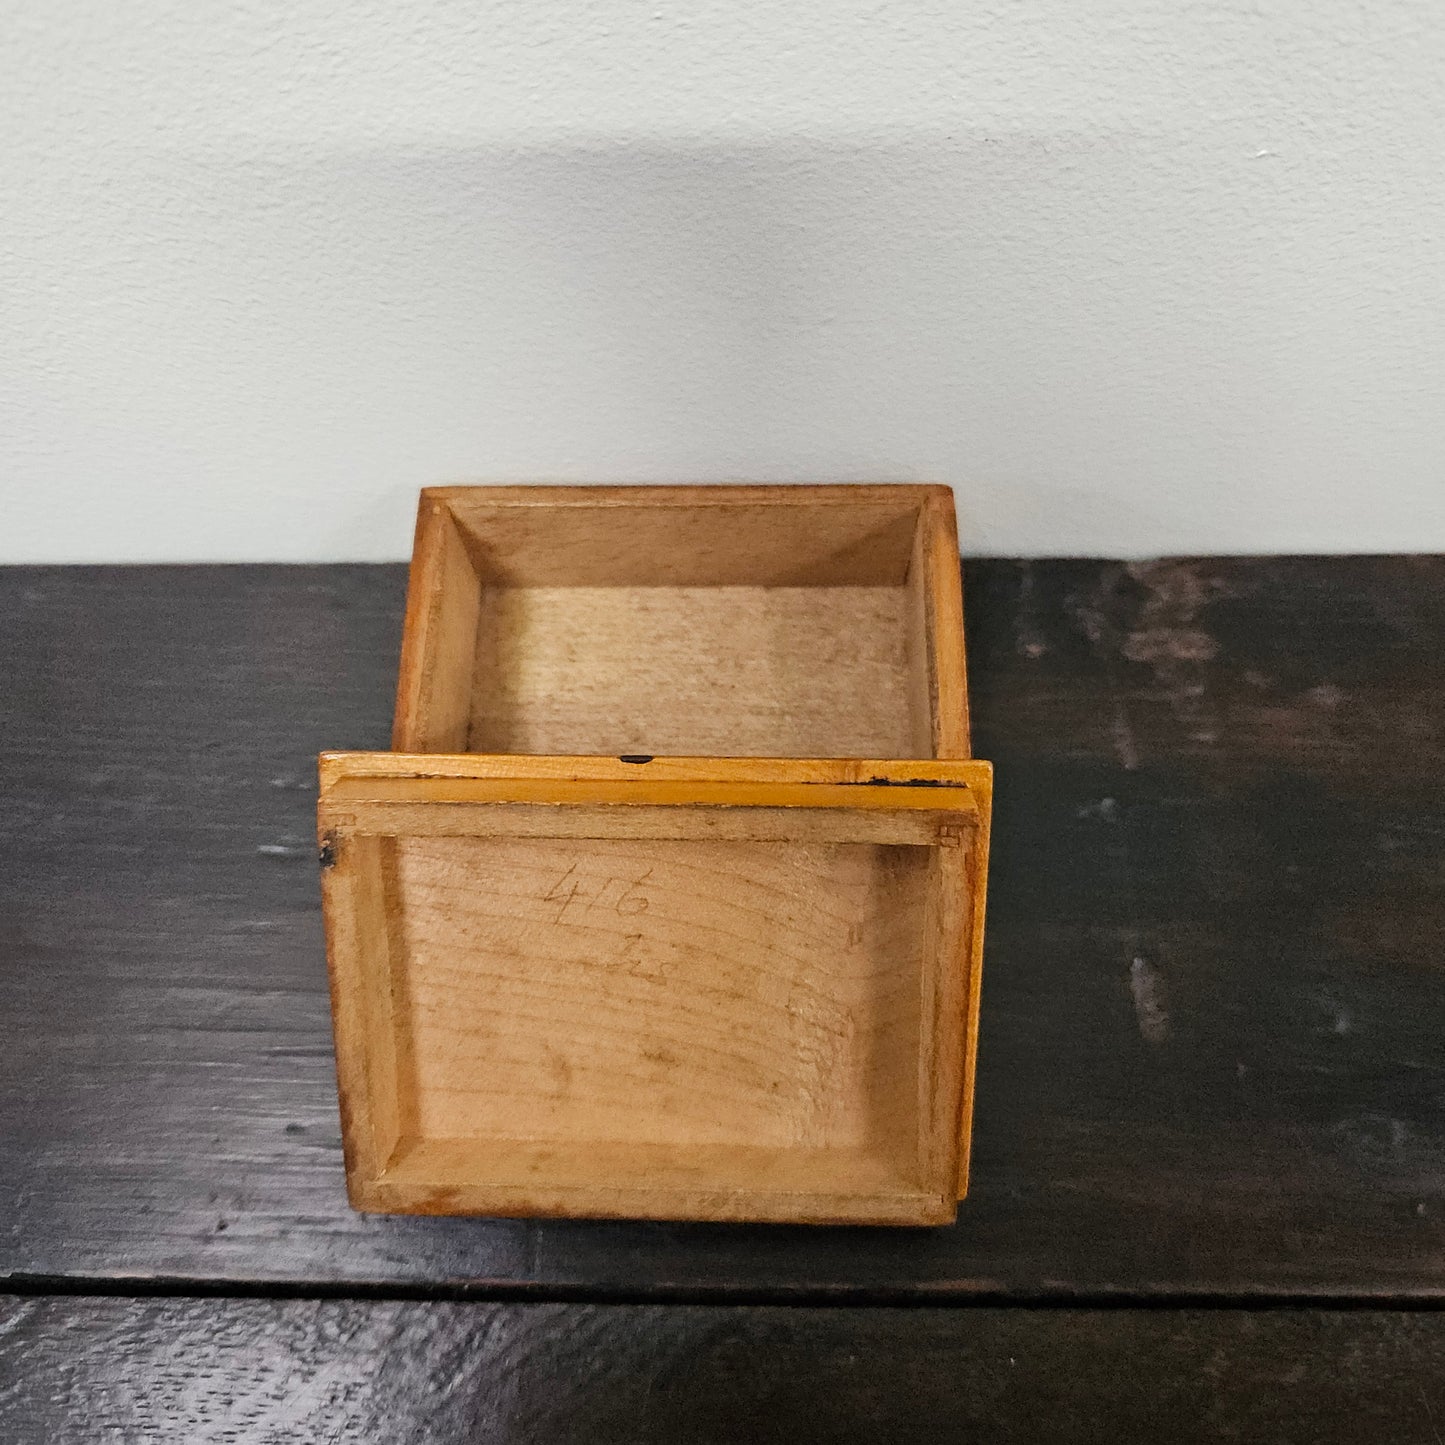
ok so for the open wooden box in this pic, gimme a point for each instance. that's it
(669, 902)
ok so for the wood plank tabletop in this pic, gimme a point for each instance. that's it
(189, 1370)
(1211, 1067)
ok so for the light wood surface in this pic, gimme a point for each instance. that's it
(725, 536)
(743, 671)
(669, 901)
(617, 1008)
(440, 637)
(967, 925)
(775, 819)
(935, 635)
(347, 770)
(741, 799)
(736, 621)
(682, 992)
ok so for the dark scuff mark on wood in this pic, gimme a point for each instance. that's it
(908, 783)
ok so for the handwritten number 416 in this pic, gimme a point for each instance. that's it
(622, 895)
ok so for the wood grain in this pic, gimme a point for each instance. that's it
(937, 680)
(585, 1024)
(267, 1370)
(444, 609)
(802, 621)
(745, 623)
(926, 824)
(731, 671)
(649, 995)
(348, 770)
(1210, 1063)
(689, 536)
(666, 995)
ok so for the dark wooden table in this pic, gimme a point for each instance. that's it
(1210, 1172)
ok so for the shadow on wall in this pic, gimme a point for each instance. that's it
(1114, 343)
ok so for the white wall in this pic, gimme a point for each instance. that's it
(1137, 277)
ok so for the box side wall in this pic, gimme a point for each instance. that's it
(938, 687)
(978, 856)
(439, 638)
(793, 536)
(371, 1069)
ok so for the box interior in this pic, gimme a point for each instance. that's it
(595, 1013)
(684, 628)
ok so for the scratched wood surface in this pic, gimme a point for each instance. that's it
(1211, 1059)
(79, 1370)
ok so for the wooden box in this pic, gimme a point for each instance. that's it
(669, 902)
